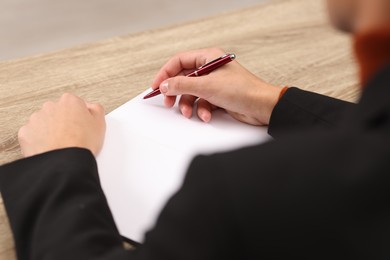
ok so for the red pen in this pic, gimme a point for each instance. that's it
(202, 70)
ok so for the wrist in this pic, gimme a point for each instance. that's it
(266, 100)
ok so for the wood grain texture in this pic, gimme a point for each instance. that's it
(286, 42)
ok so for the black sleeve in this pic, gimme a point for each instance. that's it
(299, 109)
(57, 209)
(197, 222)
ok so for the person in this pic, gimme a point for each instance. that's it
(320, 190)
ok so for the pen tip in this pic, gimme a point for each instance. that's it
(153, 93)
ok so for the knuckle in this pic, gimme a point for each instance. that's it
(176, 58)
(33, 117)
(21, 133)
(69, 97)
(47, 105)
(66, 95)
(180, 54)
(99, 108)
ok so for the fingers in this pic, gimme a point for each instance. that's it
(48, 105)
(204, 110)
(186, 104)
(169, 101)
(68, 97)
(96, 110)
(185, 62)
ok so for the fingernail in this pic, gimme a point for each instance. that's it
(186, 112)
(164, 87)
(206, 117)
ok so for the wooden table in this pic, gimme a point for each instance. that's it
(286, 42)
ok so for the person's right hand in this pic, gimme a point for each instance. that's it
(233, 88)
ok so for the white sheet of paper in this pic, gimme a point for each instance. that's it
(147, 151)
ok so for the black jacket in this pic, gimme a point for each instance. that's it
(320, 190)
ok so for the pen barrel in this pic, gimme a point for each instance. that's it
(210, 67)
(203, 70)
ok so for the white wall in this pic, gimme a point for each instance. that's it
(30, 27)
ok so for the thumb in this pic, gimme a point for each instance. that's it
(182, 85)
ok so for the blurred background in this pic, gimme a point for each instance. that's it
(29, 27)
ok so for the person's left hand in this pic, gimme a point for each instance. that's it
(69, 122)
